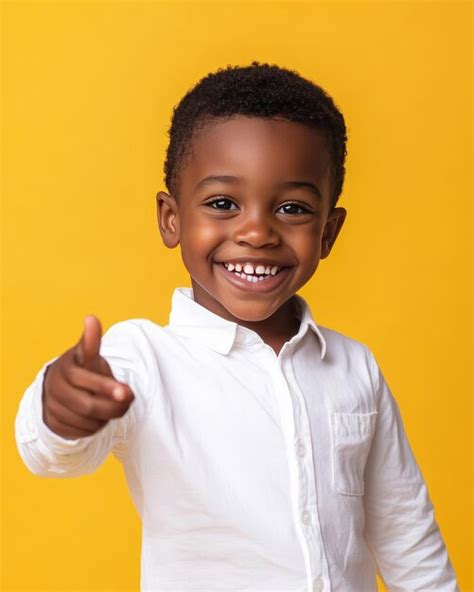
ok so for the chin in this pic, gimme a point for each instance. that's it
(254, 315)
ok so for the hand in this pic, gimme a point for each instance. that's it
(80, 393)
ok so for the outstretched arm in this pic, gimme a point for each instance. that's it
(79, 407)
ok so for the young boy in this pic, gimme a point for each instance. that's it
(263, 452)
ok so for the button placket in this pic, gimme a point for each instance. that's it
(300, 448)
(291, 416)
(304, 474)
(306, 517)
(303, 454)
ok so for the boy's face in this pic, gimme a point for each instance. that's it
(264, 213)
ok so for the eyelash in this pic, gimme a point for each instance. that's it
(210, 203)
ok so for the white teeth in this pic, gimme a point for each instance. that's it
(251, 278)
(248, 268)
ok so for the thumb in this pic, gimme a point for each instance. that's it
(87, 351)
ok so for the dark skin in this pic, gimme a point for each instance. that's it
(81, 394)
(249, 220)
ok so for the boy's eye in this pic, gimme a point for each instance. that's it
(223, 203)
(294, 205)
(220, 201)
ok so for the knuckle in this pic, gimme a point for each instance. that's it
(54, 410)
(65, 371)
(86, 407)
(105, 412)
(49, 379)
(53, 392)
(53, 423)
(67, 359)
(100, 413)
(73, 374)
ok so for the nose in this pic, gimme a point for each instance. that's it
(256, 229)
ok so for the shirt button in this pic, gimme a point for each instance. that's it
(300, 448)
(318, 585)
(306, 517)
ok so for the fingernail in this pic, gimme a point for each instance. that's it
(119, 393)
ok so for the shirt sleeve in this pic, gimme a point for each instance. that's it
(400, 525)
(48, 454)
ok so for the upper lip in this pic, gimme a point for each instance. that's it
(254, 261)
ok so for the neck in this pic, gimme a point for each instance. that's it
(280, 327)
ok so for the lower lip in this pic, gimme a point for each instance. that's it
(261, 286)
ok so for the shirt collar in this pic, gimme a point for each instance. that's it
(190, 319)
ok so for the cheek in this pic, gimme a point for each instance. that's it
(307, 245)
(208, 233)
(199, 231)
(200, 236)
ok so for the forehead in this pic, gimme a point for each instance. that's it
(256, 148)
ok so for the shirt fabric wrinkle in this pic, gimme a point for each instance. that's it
(252, 471)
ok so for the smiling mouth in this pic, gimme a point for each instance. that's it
(254, 282)
(255, 277)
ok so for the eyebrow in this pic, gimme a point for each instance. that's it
(232, 179)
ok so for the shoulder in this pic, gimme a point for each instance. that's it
(130, 347)
(350, 355)
(134, 332)
(142, 340)
(342, 345)
(133, 340)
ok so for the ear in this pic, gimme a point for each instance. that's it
(168, 219)
(333, 225)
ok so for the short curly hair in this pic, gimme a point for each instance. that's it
(258, 90)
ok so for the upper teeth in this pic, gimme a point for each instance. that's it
(248, 268)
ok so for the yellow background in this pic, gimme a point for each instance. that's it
(88, 93)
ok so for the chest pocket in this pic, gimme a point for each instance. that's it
(351, 440)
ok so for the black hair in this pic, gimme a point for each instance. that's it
(258, 90)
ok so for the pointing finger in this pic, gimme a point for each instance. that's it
(90, 407)
(100, 385)
(87, 351)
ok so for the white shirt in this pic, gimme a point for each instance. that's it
(251, 471)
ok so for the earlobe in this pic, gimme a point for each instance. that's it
(168, 219)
